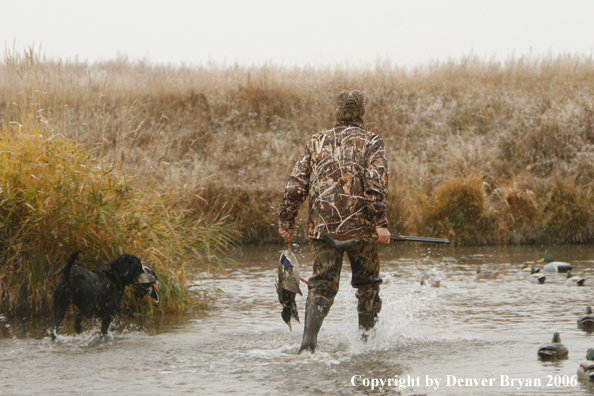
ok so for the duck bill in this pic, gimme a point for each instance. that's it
(290, 327)
(153, 295)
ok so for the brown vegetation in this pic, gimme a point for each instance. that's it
(479, 151)
(56, 199)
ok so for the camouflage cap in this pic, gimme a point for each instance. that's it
(351, 99)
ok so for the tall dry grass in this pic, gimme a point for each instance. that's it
(55, 199)
(479, 151)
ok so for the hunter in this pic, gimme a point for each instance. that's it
(344, 171)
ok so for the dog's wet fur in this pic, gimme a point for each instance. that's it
(96, 293)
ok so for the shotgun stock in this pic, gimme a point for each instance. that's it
(338, 240)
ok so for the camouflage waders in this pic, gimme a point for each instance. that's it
(323, 285)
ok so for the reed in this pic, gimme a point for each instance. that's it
(232, 134)
(56, 198)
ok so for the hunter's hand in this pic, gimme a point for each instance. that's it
(383, 235)
(287, 235)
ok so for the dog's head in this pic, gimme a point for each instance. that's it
(147, 284)
(130, 270)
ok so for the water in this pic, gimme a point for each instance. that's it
(482, 331)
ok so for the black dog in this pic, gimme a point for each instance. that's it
(98, 293)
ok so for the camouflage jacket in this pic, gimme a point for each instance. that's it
(345, 173)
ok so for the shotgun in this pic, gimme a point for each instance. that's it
(338, 240)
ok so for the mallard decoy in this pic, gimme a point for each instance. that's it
(527, 269)
(485, 274)
(287, 286)
(555, 350)
(586, 369)
(431, 280)
(536, 278)
(586, 320)
(554, 266)
(574, 280)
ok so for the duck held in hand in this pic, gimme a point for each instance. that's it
(287, 286)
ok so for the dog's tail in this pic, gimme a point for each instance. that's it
(69, 263)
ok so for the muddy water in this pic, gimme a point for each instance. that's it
(474, 337)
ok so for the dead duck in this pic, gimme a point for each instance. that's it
(485, 274)
(536, 277)
(287, 286)
(574, 280)
(147, 283)
(586, 320)
(554, 350)
(586, 369)
(554, 266)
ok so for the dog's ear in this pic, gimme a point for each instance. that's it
(126, 267)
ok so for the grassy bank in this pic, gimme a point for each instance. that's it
(56, 198)
(480, 152)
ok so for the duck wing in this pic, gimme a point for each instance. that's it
(290, 266)
(552, 350)
(586, 320)
(558, 266)
(586, 369)
(287, 285)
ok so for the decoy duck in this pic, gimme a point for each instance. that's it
(586, 368)
(527, 269)
(586, 320)
(553, 350)
(554, 266)
(536, 278)
(574, 280)
(485, 274)
(287, 286)
(430, 280)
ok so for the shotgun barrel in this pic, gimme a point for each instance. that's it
(339, 240)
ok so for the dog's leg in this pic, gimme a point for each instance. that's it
(105, 325)
(78, 322)
(61, 303)
(58, 316)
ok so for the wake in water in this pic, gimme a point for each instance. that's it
(411, 315)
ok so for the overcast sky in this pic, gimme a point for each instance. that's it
(302, 32)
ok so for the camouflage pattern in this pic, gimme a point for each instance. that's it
(351, 99)
(365, 265)
(344, 171)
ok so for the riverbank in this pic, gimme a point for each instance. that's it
(480, 152)
(56, 198)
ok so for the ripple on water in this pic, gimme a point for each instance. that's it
(465, 328)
